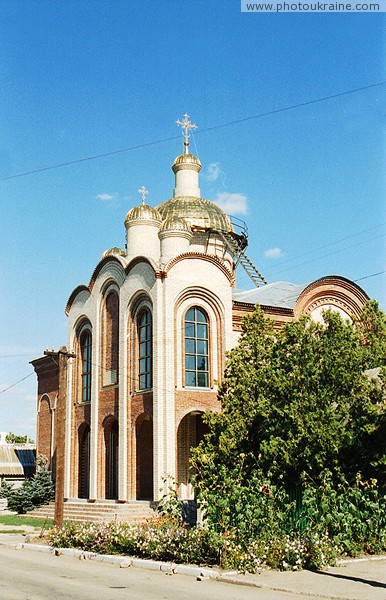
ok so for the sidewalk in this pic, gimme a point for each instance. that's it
(362, 579)
(357, 579)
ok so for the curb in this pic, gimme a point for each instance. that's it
(124, 561)
(348, 561)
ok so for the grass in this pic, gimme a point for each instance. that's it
(20, 521)
(11, 531)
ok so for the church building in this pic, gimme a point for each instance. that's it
(149, 332)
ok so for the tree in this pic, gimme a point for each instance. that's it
(33, 493)
(11, 438)
(298, 401)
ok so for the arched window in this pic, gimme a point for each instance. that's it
(196, 348)
(110, 339)
(85, 352)
(144, 350)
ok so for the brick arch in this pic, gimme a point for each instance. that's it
(215, 260)
(138, 299)
(332, 291)
(139, 259)
(190, 431)
(45, 430)
(214, 308)
(113, 266)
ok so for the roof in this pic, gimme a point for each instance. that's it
(187, 159)
(15, 460)
(281, 294)
(197, 212)
(143, 212)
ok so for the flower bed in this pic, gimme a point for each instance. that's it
(165, 539)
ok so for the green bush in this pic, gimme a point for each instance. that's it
(5, 489)
(353, 515)
(33, 493)
(260, 525)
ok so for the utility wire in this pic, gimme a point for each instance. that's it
(16, 382)
(329, 244)
(368, 276)
(329, 254)
(14, 355)
(175, 137)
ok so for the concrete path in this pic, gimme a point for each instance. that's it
(353, 580)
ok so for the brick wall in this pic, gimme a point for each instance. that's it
(48, 384)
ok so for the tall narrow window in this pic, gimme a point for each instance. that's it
(85, 350)
(144, 350)
(110, 339)
(196, 348)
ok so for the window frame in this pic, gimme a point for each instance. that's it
(85, 383)
(144, 378)
(197, 339)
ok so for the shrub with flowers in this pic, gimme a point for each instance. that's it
(160, 538)
(286, 553)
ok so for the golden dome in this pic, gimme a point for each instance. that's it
(186, 161)
(112, 251)
(196, 212)
(143, 212)
(175, 223)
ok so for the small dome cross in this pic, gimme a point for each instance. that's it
(186, 127)
(144, 192)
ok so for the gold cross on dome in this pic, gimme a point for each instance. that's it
(186, 126)
(144, 192)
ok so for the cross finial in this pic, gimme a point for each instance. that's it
(186, 126)
(144, 192)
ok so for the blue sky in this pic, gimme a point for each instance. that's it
(82, 78)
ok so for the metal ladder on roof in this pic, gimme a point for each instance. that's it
(236, 247)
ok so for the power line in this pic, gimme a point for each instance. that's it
(16, 382)
(206, 129)
(300, 105)
(14, 355)
(329, 244)
(87, 158)
(330, 254)
(368, 276)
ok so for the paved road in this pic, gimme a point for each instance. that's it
(30, 575)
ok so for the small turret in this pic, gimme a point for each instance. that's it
(175, 235)
(142, 225)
